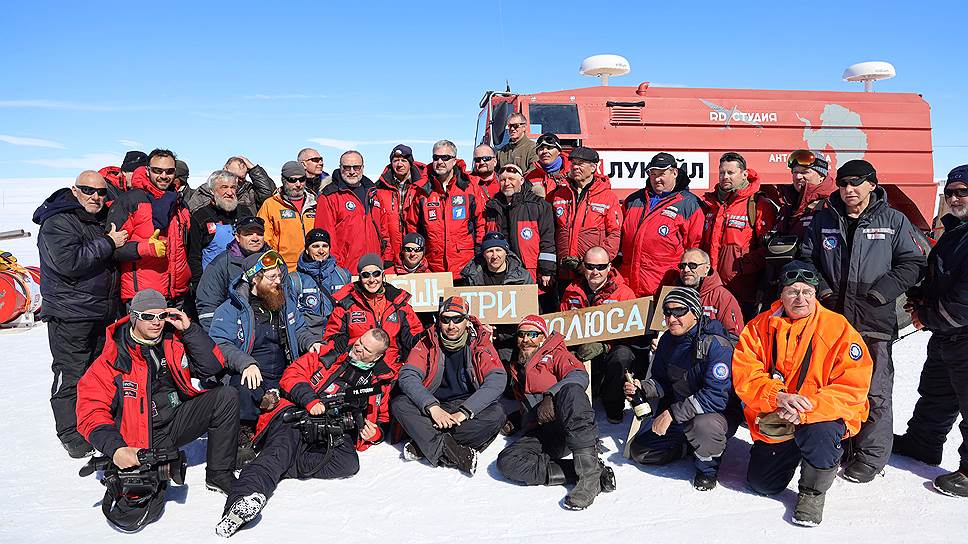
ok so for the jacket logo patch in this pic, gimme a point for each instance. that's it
(392, 318)
(458, 213)
(527, 233)
(876, 236)
(432, 204)
(663, 230)
(184, 361)
(211, 227)
(829, 242)
(856, 352)
(311, 301)
(292, 318)
(668, 212)
(314, 379)
(457, 200)
(129, 388)
(350, 205)
(559, 211)
(287, 214)
(720, 371)
(357, 317)
(431, 215)
(598, 208)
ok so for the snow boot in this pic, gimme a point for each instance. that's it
(860, 472)
(241, 512)
(954, 484)
(458, 455)
(908, 447)
(567, 466)
(411, 452)
(814, 483)
(556, 474)
(220, 481)
(588, 467)
(703, 481)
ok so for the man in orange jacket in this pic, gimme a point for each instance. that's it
(803, 374)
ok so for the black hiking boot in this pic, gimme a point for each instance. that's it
(814, 483)
(860, 472)
(411, 452)
(241, 512)
(567, 468)
(906, 445)
(459, 456)
(220, 481)
(588, 467)
(954, 484)
(704, 482)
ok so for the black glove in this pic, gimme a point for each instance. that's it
(570, 263)
(587, 352)
(546, 410)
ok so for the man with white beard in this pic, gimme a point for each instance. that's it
(211, 226)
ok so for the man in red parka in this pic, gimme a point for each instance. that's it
(396, 189)
(659, 222)
(551, 165)
(448, 212)
(738, 217)
(157, 221)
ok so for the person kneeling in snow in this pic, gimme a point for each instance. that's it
(290, 445)
(802, 373)
(551, 383)
(690, 388)
(451, 382)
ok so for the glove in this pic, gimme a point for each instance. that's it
(570, 263)
(546, 410)
(153, 247)
(587, 352)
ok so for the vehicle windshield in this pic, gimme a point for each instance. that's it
(554, 118)
(499, 122)
(481, 136)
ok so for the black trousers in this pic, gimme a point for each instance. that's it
(73, 346)
(215, 412)
(772, 465)
(474, 433)
(285, 455)
(873, 443)
(608, 378)
(704, 434)
(943, 391)
(526, 461)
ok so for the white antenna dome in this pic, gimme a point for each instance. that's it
(869, 72)
(604, 66)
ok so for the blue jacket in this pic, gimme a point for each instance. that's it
(685, 386)
(217, 280)
(233, 327)
(309, 279)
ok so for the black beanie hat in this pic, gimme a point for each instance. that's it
(317, 235)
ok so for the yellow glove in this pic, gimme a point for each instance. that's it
(153, 246)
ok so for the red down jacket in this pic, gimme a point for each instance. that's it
(595, 220)
(576, 296)
(139, 211)
(355, 228)
(395, 203)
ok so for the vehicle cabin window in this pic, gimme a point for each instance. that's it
(482, 136)
(554, 118)
(499, 121)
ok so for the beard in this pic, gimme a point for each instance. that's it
(274, 297)
(226, 204)
(295, 193)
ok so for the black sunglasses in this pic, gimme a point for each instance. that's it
(515, 126)
(314, 159)
(443, 158)
(92, 190)
(590, 266)
(692, 266)
(295, 180)
(854, 181)
(483, 159)
(529, 334)
(159, 171)
(148, 316)
(960, 193)
(368, 275)
(677, 311)
(411, 249)
(448, 319)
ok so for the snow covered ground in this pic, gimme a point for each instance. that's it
(390, 500)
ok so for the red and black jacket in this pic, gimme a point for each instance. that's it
(313, 373)
(547, 182)
(355, 228)
(451, 221)
(399, 268)
(395, 203)
(526, 221)
(549, 368)
(114, 395)
(583, 221)
(577, 296)
(140, 211)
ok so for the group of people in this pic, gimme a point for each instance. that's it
(262, 315)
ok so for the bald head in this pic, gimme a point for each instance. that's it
(596, 267)
(598, 254)
(90, 190)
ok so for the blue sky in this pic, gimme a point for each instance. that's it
(84, 82)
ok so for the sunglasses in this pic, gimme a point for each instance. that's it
(960, 193)
(515, 126)
(444, 158)
(590, 266)
(269, 260)
(852, 181)
(159, 171)
(411, 249)
(314, 159)
(691, 266)
(148, 316)
(295, 180)
(806, 276)
(802, 157)
(368, 275)
(677, 311)
(483, 159)
(529, 334)
(448, 319)
(92, 190)
(351, 167)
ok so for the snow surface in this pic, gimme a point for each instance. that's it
(390, 500)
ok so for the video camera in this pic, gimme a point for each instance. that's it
(344, 413)
(157, 466)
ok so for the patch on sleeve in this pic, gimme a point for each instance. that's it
(720, 371)
(856, 352)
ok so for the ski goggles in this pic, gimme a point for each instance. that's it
(148, 316)
(806, 276)
(269, 260)
(802, 157)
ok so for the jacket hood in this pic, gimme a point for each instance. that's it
(139, 180)
(461, 178)
(813, 193)
(710, 282)
(418, 176)
(62, 200)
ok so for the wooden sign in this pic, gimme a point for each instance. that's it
(658, 320)
(499, 304)
(601, 323)
(426, 290)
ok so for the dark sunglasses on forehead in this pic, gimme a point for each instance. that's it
(484, 159)
(92, 190)
(368, 275)
(960, 192)
(806, 276)
(677, 311)
(159, 171)
(591, 266)
(853, 181)
(691, 266)
(444, 158)
(529, 334)
(148, 316)
(448, 319)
